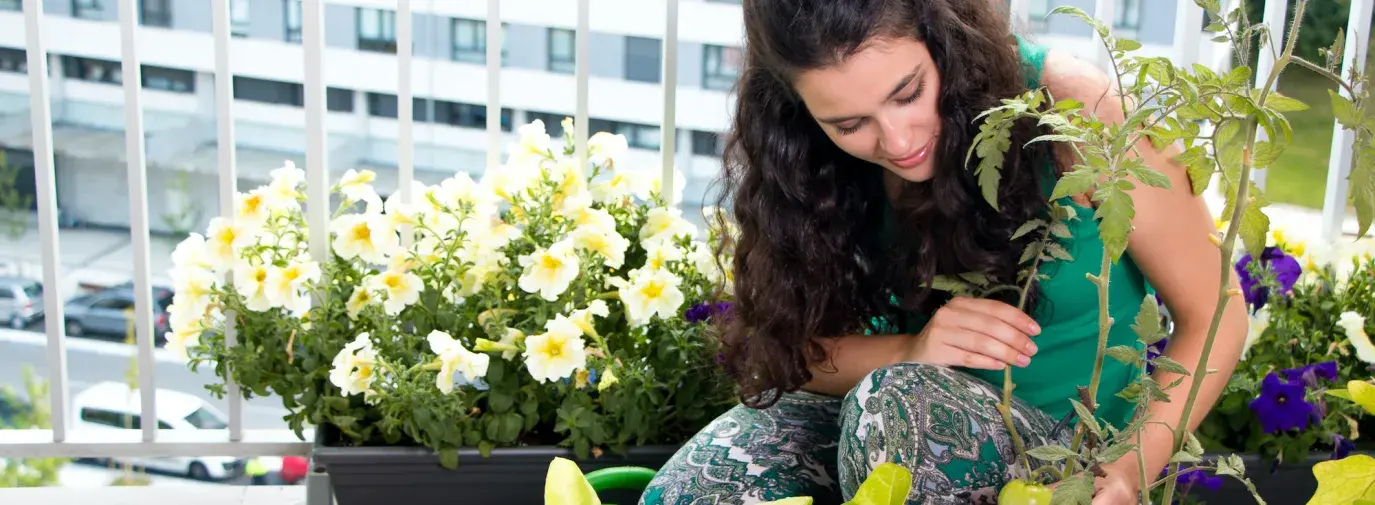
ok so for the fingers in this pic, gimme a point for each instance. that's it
(981, 344)
(1012, 336)
(1002, 311)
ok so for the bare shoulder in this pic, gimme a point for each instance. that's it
(1068, 76)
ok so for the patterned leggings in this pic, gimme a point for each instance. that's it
(938, 422)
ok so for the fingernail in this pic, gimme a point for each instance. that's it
(1035, 329)
(1030, 348)
(1023, 360)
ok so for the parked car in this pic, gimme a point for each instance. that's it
(21, 301)
(116, 406)
(107, 312)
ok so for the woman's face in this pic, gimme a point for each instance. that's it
(879, 105)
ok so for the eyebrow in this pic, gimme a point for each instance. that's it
(896, 89)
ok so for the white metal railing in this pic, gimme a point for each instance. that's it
(61, 441)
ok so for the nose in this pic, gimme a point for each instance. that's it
(895, 136)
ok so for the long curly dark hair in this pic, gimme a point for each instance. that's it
(807, 262)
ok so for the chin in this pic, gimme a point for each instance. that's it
(921, 173)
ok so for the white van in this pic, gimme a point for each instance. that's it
(114, 406)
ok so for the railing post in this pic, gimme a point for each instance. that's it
(1339, 164)
(224, 120)
(405, 106)
(668, 130)
(1274, 18)
(41, 116)
(580, 126)
(138, 212)
(1188, 32)
(1105, 11)
(494, 45)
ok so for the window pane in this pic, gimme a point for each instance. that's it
(9, 5)
(339, 100)
(293, 20)
(368, 23)
(642, 59)
(205, 420)
(382, 105)
(13, 60)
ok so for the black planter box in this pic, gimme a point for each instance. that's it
(412, 475)
(1291, 483)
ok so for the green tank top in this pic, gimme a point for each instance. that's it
(1068, 312)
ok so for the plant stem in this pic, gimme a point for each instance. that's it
(1225, 254)
(1323, 72)
(1005, 407)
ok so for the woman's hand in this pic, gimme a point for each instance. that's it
(1121, 484)
(975, 333)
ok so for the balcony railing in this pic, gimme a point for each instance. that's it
(62, 441)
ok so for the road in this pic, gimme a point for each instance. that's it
(90, 361)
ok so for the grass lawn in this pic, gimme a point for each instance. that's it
(1299, 177)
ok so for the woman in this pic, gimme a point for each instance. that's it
(846, 174)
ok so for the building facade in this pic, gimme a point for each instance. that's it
(449, 83)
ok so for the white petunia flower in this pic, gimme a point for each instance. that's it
(650, 293)
(400, 288)
(251, 283)
(609, 244)
(284, 186)
(367, 236)
(356, 185)
(192, 252)
(705, 262)
(583, 317)
(194, 287)
(454, 358)
(666, 223)
(578, 210)
(659, 253)
(354, 368)
(287, 286)
(556, 353)
(362, 297)
(623, 184)
(549, 271)
(1354, 324)
(605, 149)
(224, 241)
(252, 209)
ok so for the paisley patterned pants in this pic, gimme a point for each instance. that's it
(938, 422)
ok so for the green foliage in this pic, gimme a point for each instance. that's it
(33, 413)
(14, 204)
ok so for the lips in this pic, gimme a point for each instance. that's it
(915, 159)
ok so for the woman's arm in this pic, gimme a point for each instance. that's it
(1170, 242)
(850, 358)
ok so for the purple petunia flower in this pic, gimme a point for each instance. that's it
(1195, 477)
(1309, 374)
(1154, 350)
(701, 312)
(1285, 268)
(1341, 447)
(1281, 405)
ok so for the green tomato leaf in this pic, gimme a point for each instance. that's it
(1200, 168)
(1266, 153)
(1147, 324)
(1184, 457)
(1165, 363)
(1088, 419)
(1076, 490)
(1281, 103)
(1255, 225)
(1074, 183)
(1148, 176)
(1344, 110)
(888, 484)
(1052, 453)
(1060, 230)
(1345, 480)
(1362, 184)
(1115, 452)
(1115, 212)
(1058, 252)
(1126, 45)
(1126, 354)
(1026, 228)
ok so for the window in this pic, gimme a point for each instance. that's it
(273, 92)
(1128, 15)
(156, 13)
(339, 100)
(13, 60)
(562, 50)
(33, 290)
(105, 417)
(6, 294)
(92, 70)
(707, 143)
(467, 115)
(169, 79)
(470, 41)
(239, 18)
(293, 20)
(87, 9)
(204, 420)
(9, 5)
(385, 105)
(1037, 10)
(720, 67)
(636, 135)
(642, 59)
(377, 30)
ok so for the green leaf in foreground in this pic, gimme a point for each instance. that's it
(888, 484)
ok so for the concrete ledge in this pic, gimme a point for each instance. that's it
(170, 495)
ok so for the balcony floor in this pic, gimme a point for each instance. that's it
(169, 495)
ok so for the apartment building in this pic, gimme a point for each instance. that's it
(449, 82)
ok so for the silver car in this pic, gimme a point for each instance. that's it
(21, 301)
(105, 312)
